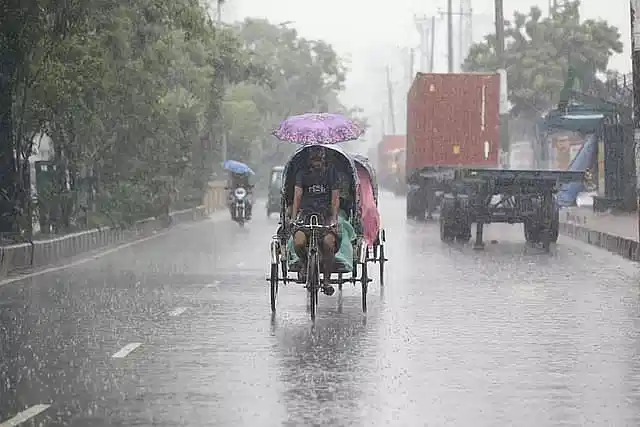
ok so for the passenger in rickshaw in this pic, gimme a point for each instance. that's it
(317, 191)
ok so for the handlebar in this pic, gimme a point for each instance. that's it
(313, 224)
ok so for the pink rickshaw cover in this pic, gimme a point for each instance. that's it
(370, 214)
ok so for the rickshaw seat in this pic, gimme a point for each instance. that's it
(344, 256)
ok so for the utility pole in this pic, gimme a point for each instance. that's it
(432, 57)
(392, 115)
(504, 113)
(635, 61)
(450, 13)
(461, 35)
(412, 54)
(225, 150)
(450, 35)
(425, 27)
(499, 11)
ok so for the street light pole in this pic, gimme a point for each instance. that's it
(504, 115)
(224, 131)
(450, 36)
(635, 61)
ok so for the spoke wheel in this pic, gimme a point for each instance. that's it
(364, 280)
(274, 286)
(382, 260)
(313, 284)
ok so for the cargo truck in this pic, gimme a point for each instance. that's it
(452, 162)
(388, 149)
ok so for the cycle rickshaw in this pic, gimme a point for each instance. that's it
(357, 243)
(368, 179)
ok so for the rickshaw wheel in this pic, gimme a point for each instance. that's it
(364, 280)
(382, 260)
(274, 286)
(313, 283)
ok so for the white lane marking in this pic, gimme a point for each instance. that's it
(178, 311)
(25, 415)
(101, 254)
(124, 351)
(214, 285)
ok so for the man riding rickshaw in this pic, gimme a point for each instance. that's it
(321, 231)
(316, 191)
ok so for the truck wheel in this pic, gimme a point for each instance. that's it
(464, 233)
(413, 208)
(532, 231)
(446, 231)
(554, 233)
(447, 224)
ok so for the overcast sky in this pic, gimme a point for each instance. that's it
(369, 32)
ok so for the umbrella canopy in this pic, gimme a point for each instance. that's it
(318, 128)
(237, 167)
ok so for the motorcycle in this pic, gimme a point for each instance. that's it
(240, 206)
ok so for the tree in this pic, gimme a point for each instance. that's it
(300, 76)
(136, 96)
(539, 52)
(29, 31)
(127, 96)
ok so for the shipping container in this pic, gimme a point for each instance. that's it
(453, 120)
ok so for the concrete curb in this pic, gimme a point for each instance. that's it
(624, 247)
(25, 256)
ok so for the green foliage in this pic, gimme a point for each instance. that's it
(539, 52)
(136, 97)
(299, 76)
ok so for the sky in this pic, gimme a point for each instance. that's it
(370, 35)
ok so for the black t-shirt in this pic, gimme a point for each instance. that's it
(316, 189)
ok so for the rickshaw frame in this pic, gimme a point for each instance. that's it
(375, 253)
(361, 252)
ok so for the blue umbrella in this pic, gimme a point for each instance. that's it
(237, 167)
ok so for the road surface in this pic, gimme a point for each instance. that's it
(176, 331)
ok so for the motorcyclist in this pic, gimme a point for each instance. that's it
(317, 191)
(240, 181)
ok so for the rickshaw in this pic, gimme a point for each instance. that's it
(275, 190)
(354, 249)
(369, 189)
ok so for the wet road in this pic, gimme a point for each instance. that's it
(177, 331)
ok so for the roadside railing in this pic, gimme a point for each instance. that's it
(21, 257)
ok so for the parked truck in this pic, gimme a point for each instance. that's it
(388, 149)
(452, 162)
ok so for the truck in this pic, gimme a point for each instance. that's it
(453, 162)
(388, 149)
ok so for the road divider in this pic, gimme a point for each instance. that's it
(576, 227)
(24, 256)
(19, 258)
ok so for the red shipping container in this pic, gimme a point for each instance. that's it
(453, 120)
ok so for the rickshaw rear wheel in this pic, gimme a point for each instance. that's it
(274, 286)
(382, 260)
(364, 280)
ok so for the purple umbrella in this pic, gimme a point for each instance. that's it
(318, 128)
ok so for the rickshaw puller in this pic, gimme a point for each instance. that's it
(317, 191)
